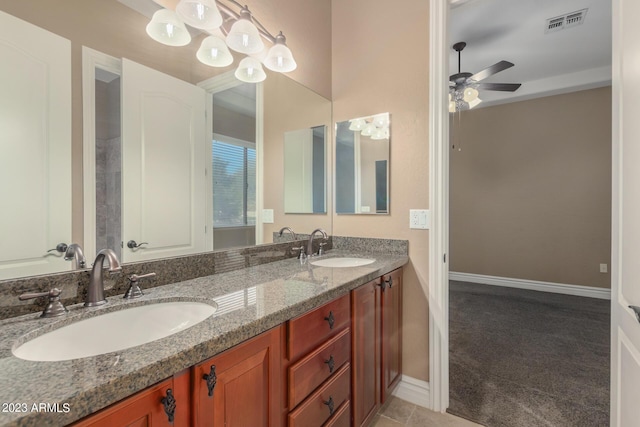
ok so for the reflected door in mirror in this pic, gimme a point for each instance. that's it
(35, 148)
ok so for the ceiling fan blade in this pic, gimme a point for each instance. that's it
(490, 71)
(505, 87)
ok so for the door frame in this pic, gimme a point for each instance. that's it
(439, 200)
(439, 206)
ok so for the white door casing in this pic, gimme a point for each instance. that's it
(625, 254)
(163, 164)
(35, 130)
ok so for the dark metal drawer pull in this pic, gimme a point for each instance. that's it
(330, 363)
(330, 319)
(329, 404)
(389, 282)
(169, 403)
(211, 379)
(383, 285)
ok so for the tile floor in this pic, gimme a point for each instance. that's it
(397, 412)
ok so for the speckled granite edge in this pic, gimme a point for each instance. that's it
(91, 384)
(74, 284)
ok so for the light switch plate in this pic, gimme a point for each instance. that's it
(267, 216)
(419, 219)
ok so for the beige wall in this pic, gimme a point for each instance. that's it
(530, 192)
(301, 109)
(379, 64)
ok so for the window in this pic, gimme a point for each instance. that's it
(234, 183)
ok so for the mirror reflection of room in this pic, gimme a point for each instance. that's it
(362, 165)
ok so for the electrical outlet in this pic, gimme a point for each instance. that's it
(419, 219)
(603, 268)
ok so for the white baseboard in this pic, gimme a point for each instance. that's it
(413, 391)
(533, 285)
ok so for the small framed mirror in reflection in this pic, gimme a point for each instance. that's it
(362, 165)
(304, 171)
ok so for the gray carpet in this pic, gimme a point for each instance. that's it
(527, 358)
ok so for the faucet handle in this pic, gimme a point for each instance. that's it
(134, 290)
(321, 250)
(54, 308)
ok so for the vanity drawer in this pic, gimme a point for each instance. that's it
(307, 374)
(311, 329)
(342, 417)
(324, 403)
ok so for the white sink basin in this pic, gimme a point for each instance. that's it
(342, 262)
(115, 331)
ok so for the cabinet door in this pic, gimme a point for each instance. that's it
(146, 408)
(246, 385)
(391, 332)
(365, 308)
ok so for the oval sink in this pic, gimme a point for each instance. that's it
(113, 331)
(342, 262)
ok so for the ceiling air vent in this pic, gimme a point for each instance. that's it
(565, 21)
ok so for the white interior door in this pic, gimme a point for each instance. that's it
(625, 327)
(163, 164)
(35, 148)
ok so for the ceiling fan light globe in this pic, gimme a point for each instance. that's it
(470, 94)
(474, 102)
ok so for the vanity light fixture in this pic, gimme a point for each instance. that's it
(376, 127)
(227, 29)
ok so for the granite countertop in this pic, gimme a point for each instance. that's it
(250, 301)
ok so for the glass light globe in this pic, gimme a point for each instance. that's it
(250, 71)
(202, 14)
(452, 106)
(378, 134)
(244, 36)
(214, 52)
(280, 58)
(470, 94)
(474, 102)
(357, 125)
(368, 129)
(381, 120)
(166, 28)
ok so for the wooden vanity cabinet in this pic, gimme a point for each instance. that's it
(391, 332)
(365, 308)
(241, 386)
(318, 366)
(377, 344)
(146, 407)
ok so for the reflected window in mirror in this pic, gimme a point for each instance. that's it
(234, 167)
(304, 171)
(362, 165)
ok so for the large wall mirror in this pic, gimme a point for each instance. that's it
(136, 181)
(362, 165)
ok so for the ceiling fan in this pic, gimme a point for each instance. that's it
(463, 87)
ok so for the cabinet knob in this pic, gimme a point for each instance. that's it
(211, 379)
(331, 364)
(330, 319)
(169, 403)
(330, 405)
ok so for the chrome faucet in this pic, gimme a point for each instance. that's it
(283, 229)
(310, 244)
(95, 294)
(74, 251)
